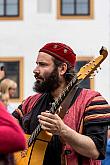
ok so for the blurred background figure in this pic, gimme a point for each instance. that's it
(2, 73)
(10, 132)
(8, 86)
(106, 161)
(7, 90)
(4, 98)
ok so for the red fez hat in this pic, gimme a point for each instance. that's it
(60, 51)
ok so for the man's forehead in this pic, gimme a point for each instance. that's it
(44, 57)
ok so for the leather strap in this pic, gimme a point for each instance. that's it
(70, 99)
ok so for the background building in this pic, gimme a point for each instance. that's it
(26, 25)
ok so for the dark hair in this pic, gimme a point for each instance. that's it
(70, 73)
(2, 68)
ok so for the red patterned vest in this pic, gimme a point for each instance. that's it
(74, 119)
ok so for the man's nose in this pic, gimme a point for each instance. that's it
(36, 70)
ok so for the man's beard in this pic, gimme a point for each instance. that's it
(51, 83)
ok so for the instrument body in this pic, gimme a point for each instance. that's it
(34, 155)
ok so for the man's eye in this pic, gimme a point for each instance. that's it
(43, 64)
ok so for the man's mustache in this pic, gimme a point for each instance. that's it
(38, 77)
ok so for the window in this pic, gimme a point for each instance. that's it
(10, 9)
(14, 71)
(68, 9)
(81, 61)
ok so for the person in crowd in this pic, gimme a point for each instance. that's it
(12, 137)
(2, 73)
(4, 98)
(106, 161)
(7, 90)
(79, 137)
(8, 86)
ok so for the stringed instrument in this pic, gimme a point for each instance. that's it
(38, 140)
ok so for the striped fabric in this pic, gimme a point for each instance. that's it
(98, 111)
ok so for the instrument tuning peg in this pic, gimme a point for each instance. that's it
(94, 75)
(83, 66)
(97, 71)
(91, 77)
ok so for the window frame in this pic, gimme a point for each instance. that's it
(91, 16)
(19, 17)
(88, 59)
(20, 74)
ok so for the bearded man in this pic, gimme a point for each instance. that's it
(89, 112)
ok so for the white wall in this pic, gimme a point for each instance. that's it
(25, 38)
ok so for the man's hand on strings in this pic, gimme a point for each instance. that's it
(51, 123)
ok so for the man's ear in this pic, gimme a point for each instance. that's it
(63, 69)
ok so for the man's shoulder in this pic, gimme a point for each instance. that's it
(89, 95)
(30, 102)
(33, 97)
(90, 92)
